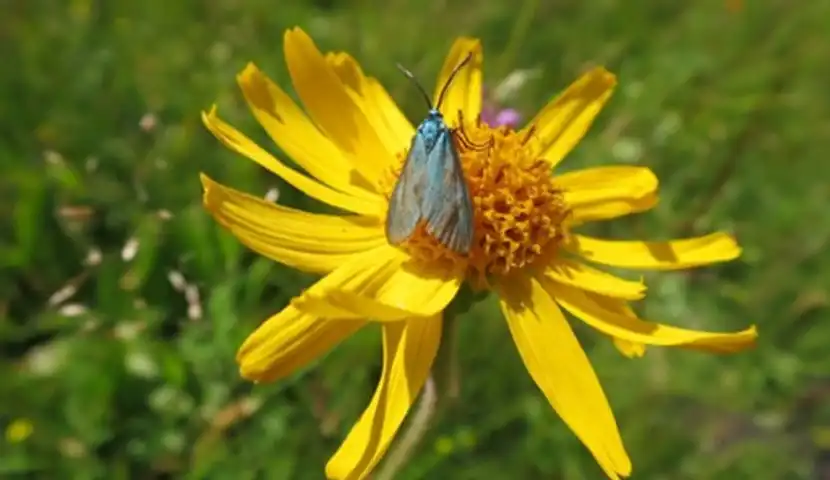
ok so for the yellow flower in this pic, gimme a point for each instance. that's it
(351, 141)
(19, 430)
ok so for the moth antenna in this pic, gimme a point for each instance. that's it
(411, 76)
(451, 77)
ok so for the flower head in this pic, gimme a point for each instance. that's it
(351, 142)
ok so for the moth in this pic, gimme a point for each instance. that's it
(431, 187)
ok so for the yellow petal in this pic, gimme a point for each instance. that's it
(603, 183)
(608, 192)
(393, 128)
(347, 69)
(409, 349)
(579, 275)
(331, 107)
(629, 349)
(607, 315)
(560, 368)
(564, 121)
(610, 209)
(289, 128)
(305, 241)
(465, 92)
(384, 285)
(241, 144)
(289, 341)
(672, 255)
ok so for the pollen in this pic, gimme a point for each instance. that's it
(520, 214)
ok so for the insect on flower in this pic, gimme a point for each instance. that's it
(431, 187)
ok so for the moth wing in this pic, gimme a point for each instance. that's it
(405, 203)
(446, 204)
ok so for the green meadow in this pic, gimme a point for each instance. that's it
(122, 303)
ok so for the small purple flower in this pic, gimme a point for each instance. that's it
(508, 116)
(493, 115)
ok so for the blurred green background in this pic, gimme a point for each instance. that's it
(122, 303)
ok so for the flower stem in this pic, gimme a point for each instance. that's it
(413, 435)
(445, 374)
(446, 362)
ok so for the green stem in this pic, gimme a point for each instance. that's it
(445, 374)
(446, 362)
(413, 435)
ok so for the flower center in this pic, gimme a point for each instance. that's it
(520, 215)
